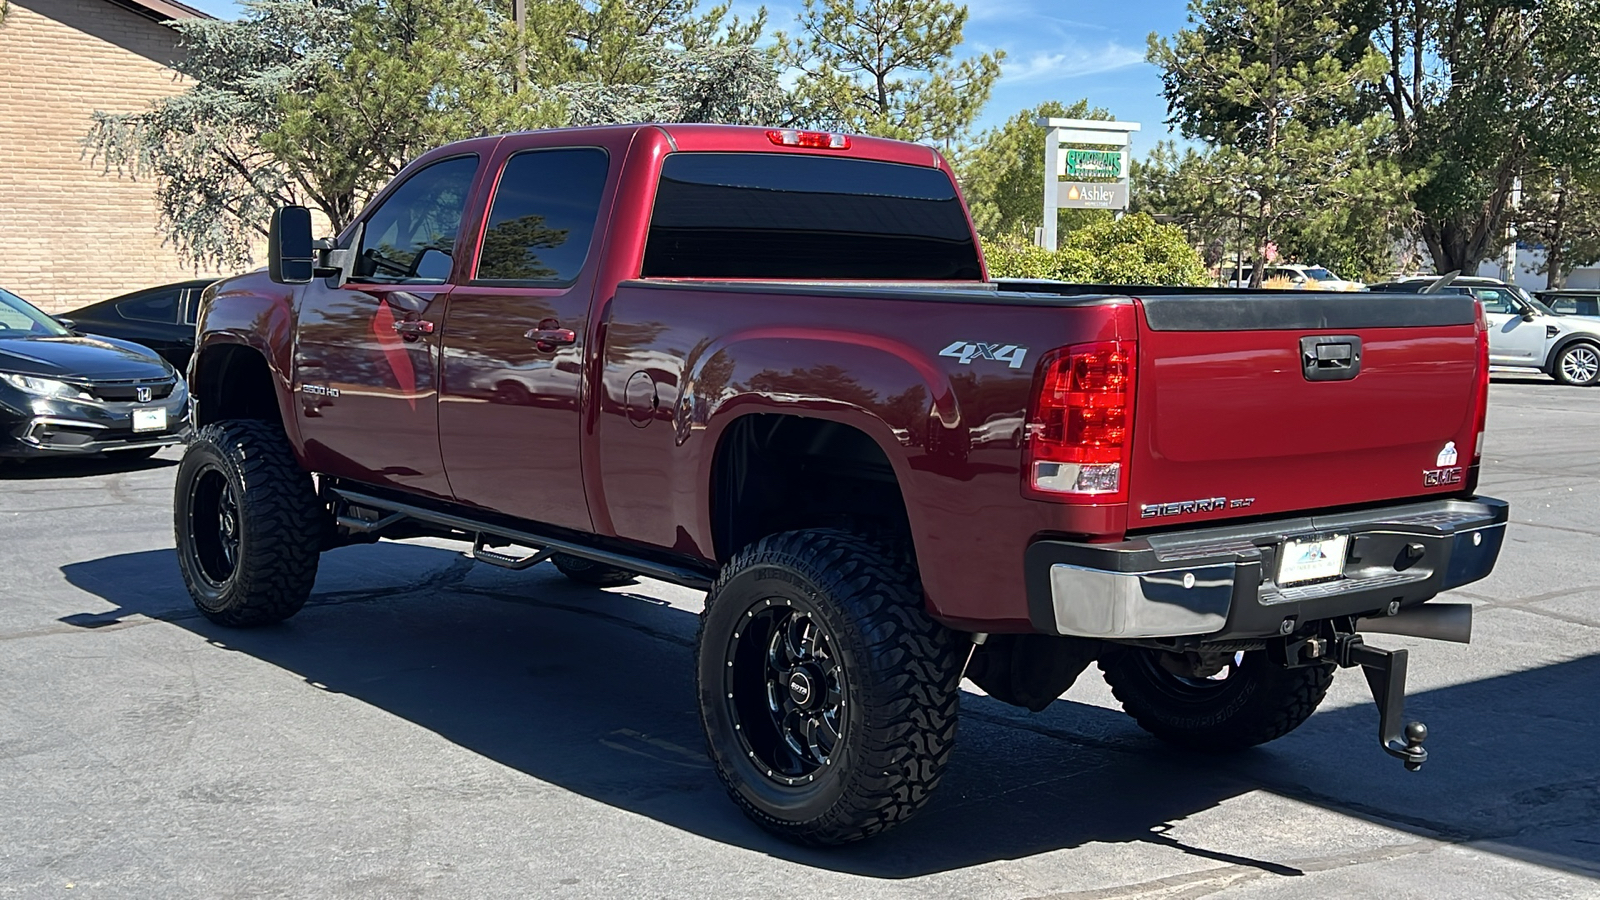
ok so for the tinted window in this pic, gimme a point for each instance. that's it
(421, 215)
(18, 315)
(1574, 306)
(765, 215)
(543, 217)
(161, 306)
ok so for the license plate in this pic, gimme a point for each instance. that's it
(149, 420)
(1311, 560)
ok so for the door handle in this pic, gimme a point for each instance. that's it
(547, 339)
(413, 328)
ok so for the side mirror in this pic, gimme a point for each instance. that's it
(1529, 315)
(290, 258)
(66, 323)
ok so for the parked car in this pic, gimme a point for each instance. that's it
(161, 318)
(62, 393)
(1305, 278)
(1571, 302)
(1524, 332)
(769, 366)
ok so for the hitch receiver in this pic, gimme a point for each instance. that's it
(1386, 676)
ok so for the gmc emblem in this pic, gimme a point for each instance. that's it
(1436, 477)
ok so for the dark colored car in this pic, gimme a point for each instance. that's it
(63, 393)
(768, 364)
(1572, 302)
(161, 318)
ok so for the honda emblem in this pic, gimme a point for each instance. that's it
(143, 394)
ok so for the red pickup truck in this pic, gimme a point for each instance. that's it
(768, 363)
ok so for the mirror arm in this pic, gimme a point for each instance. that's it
(337, 263)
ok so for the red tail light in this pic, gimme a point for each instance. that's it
(812, 140)
(1080, 430)
(1482, 419)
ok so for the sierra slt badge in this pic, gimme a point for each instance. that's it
(967, 351)
(1184, 507)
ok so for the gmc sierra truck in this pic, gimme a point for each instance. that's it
(768, 364)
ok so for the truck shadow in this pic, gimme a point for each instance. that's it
(591, 690)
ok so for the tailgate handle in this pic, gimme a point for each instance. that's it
(1330, 357)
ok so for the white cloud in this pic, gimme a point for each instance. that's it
(1072, 63)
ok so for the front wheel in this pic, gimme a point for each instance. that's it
(1578, 364)
(1249, 700)
(827, 694)
(248, 524)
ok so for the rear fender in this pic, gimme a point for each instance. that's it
(882, 387)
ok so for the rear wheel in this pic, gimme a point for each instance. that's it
(827, 694)
(248, 524)
(587, 571)
(1248, 701)
(1578, 364)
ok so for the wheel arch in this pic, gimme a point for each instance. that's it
(1566, 341)
(774, 471)
(232, 378)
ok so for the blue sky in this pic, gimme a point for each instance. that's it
(1056, 50)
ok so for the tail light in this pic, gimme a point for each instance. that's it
(811, 140)
(1080, 429)
(1481, 419)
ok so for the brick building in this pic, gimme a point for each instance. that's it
(70, 234)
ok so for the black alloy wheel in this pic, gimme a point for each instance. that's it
(214, 526)
(247, 522)
(828, 695)
(785, 692)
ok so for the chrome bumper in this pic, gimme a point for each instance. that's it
(1217, 582)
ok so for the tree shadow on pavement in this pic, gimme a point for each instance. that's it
(592, 691)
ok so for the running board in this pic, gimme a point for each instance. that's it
(483, 531)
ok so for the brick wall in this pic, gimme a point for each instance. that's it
(69, 234)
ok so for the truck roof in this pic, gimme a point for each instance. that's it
(693, 137)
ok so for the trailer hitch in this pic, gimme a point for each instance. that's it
(1386, 676)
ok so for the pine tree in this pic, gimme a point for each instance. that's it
(1263, 81)
(888, 68)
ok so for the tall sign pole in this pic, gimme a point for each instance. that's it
(1076, 190)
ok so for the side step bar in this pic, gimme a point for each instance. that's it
(482, 532)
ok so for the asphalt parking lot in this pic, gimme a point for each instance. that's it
(429, 727)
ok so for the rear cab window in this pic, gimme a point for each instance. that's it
(788, 216)
(543, 217)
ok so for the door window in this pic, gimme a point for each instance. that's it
(161, 306)
(543, 217)
(411, 236)
(1495, 301)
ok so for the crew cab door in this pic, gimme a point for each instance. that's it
(367, 357)
(1513, 341)
(510, 411)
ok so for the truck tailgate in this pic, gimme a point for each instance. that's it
(1239, 413)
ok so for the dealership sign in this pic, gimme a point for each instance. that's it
(1091, 164)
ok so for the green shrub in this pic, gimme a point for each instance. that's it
(1131, 250)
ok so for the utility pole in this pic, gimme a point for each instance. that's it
(1509, 275)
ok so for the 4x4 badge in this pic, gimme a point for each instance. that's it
(967, 351)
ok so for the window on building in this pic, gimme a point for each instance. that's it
(543, 217)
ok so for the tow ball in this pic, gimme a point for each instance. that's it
(1386, 676)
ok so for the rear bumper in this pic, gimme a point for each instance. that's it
(1217, 583)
